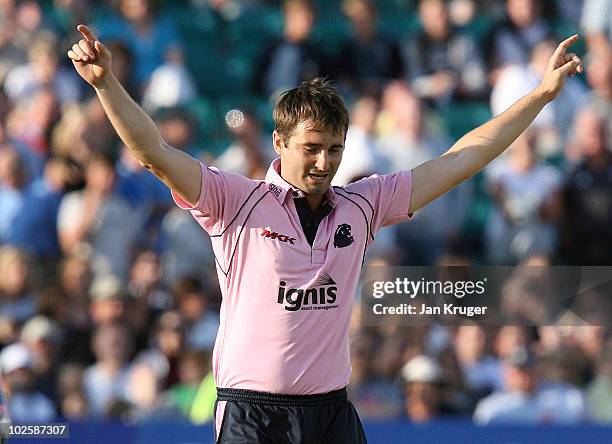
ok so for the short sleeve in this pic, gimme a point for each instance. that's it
(388, 195)
(221, 196)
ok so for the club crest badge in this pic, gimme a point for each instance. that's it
(343, 237)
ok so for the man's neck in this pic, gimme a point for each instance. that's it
(314, 202)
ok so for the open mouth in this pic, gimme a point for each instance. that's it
(317, 177)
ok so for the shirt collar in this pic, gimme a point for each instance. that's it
(280, 188)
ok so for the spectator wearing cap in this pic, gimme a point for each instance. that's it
(108, 300)
(424, 392)
(25, 402)
(105, 381)
(526, 401)
(43, 338)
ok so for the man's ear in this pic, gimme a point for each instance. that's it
(277, 142)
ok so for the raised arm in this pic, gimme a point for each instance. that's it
(92, 60)
(480, 146)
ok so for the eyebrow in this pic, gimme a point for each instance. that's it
(319, 145)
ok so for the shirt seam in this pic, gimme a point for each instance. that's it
(365, 246)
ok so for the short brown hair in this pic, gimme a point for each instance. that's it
(316, 100)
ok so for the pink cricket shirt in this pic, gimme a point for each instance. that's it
(286, 304)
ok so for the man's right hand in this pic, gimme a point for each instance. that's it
(91, 59)
(138, 132)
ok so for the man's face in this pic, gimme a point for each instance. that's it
(309, 158)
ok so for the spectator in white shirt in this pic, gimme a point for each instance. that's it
(596, 21)
(361, 152)
(527, 205)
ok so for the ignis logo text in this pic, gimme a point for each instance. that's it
(320, 297)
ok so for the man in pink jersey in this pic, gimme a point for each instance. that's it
(289, 248)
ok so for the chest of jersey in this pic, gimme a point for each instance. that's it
(268, 242)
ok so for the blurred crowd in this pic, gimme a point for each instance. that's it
(108, 293)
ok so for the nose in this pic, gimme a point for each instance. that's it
(322, 163)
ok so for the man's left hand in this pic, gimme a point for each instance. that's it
(561, 65)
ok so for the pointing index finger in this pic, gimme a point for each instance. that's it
(565, 44)
(86, 32)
